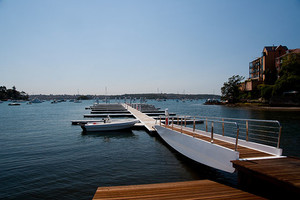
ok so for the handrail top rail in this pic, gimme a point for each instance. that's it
(227, 118)
(241, 119)
(218, 121)
(225, 122)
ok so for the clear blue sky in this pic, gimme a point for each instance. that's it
(141, 46)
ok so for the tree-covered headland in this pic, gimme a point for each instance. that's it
(13, 94)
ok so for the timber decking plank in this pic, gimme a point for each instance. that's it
(282, 171)
(201, 189)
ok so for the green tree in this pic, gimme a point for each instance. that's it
(3, 92)
(266, 91)
(289, 75)
(271, 77)
(230, 90)
(12, 94)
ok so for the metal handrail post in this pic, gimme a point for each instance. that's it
(172, 122)
(237, 136)
(181, 126)
(160, 120)
(212, 132)
(223, 126)
(279, 135)
(194, 125)
(247, 129)
(184, 121)
(206, 125)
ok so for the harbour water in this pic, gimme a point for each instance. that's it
(43, 156)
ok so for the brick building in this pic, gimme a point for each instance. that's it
(263, 69)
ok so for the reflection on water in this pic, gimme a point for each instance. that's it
(109, 134)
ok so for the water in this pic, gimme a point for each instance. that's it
(42, 156)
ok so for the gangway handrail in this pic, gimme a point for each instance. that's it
(279, 127)
(256, 127)
(212, 127)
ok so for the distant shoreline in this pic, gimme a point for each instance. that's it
(264, 107)
(132, 96)
(292, 109)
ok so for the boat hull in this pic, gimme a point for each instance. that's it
(14, 104)
(199, 150)
(100, 126)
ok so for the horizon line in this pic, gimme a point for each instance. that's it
(123, 94)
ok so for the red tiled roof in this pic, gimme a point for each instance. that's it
(294, 50)
(273, 48)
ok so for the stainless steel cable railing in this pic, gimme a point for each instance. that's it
(266, 132)
(182, 123)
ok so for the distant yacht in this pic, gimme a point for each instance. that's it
(77, 101)
(212, 102)
(96, 101)
(36, 100)
(54, 101)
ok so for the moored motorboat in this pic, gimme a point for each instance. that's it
(212, 102)
(14, 104)
(77, 101)
(36, 100)
(108, 125)
(54, 101)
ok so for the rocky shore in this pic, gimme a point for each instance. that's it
(260, 106)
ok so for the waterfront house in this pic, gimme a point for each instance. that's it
(263, 70)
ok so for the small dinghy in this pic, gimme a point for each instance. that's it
(14, 104)
(108, 125)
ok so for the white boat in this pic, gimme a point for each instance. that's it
(36, 100)
(54, 101)
(108, 125)
(77, 101)
(14, 104)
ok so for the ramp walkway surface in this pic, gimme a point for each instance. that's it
(147, 121)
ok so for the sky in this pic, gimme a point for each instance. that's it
(138, 46)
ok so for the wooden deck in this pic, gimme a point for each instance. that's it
(147, 121)
(243, 151)
(201, 189)
(281, 174)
